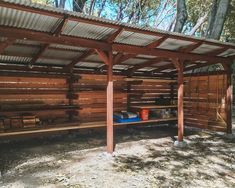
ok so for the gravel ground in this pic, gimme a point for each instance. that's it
(143, 157)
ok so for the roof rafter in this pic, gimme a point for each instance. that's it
(167, 53)
(164, 67)
(80, 58)
(158, 42)
(190, 47)
(47, 38)
(56, 32)
(60, 14)
(103, 56)
(113, 36)
(121, 57)
(145, 64)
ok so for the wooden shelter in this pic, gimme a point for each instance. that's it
(56, 65)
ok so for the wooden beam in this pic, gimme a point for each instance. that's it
(59, 14)
(80, 58)
(179, 66)
(145, 64)
(103, 56)
(229, 100)
(162, 68)
(47, 38)
(5, 44)
(167, 53)
(120, 57)
(57, 31)
(113, 36)
(125, 57)
(217, 51)
(90, 43)
(43, 48)
(190, 47)
(157, 42)
(109, 91)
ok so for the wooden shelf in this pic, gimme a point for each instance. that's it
(75, 126)
(154, 106)
(40, 108)
(150, 80)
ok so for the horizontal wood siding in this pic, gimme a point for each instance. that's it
(204, 102)
(146, 92)
(91, 90)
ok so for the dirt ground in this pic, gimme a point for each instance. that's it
(143, 157)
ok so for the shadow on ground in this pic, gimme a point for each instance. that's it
(13, 152)
(208, 157)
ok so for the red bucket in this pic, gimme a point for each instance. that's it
(144, 114)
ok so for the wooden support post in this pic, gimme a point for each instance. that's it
(180, 102)
(229, 100)
(110, 146)
(107, 57)
(180, 68)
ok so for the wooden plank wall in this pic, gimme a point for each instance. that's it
(32, 92)
(146, 92)
(204, 102)
(92, 96)
(28, 94)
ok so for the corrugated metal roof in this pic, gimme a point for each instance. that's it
(161, 63)
(52, 62)
(137, 39)
(121, 67)
(14, 59)
(89, 65)
(79, 29)
(147, 69)
(61, 54)
(173, 44)
(93, 57)
(103, 20)
(27, 20)
(205, 48)
(22, 50)
(228, 52)
(134, 61)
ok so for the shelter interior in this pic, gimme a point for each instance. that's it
(62, 70)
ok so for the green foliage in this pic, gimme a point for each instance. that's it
(229, 27)
(197, 8)
(44, 2)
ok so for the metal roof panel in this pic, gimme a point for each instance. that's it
(84, 30)
(27, 20)
(173, 44)
(14, 59)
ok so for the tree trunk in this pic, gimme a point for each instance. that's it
(200, 21)
(56, 3)
(219, 20)
(101, 8)
(211, 18)
(181, 16)
(62, 4)
(78, 5)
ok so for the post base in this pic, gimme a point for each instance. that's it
(180, 144)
